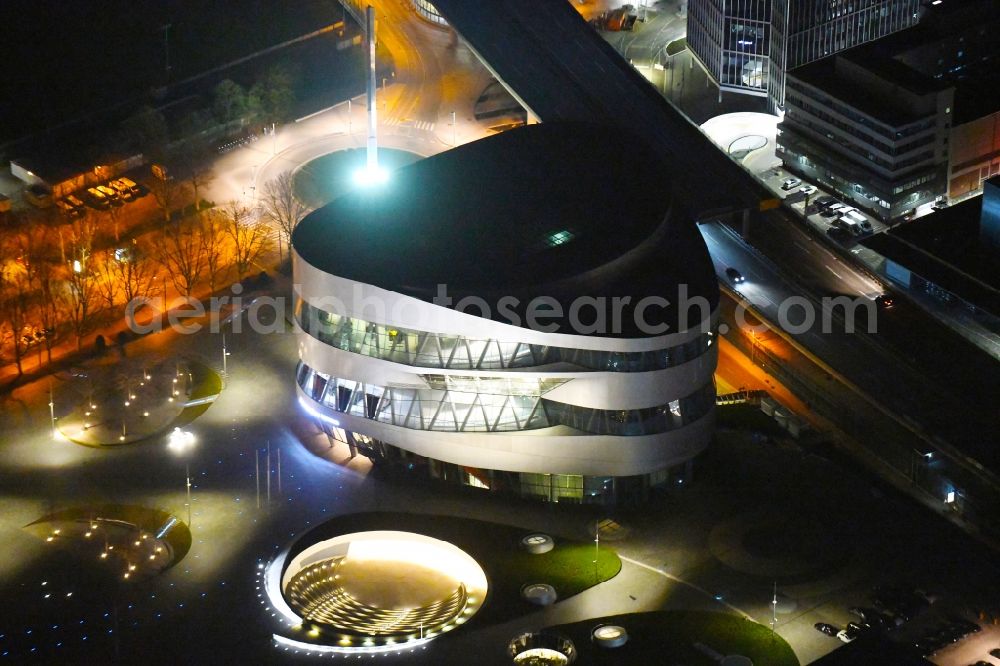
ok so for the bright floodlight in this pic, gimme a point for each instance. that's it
(369, 176)
(180, 440)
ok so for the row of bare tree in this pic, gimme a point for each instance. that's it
(71, 277)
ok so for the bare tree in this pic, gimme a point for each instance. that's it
(15, 292)
(135, 273)
(247, 235)
(195, 158)
(106, 278)
(181, 255)
(114, 215)
(168, 193)
(282, 207)
(213, 240)
(80, 296)
(49, 284)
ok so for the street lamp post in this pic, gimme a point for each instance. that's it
(774, 607)
(52, 410)
(181, 442)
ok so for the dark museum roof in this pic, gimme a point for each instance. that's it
(556, 209)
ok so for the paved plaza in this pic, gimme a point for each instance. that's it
(261, 476)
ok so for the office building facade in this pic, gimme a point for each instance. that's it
(748, 46)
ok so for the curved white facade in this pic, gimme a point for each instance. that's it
(554, 415)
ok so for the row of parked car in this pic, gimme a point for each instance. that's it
(845, 221)
(892, 607)
(114, 193)
(944, 634)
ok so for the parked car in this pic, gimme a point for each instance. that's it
(67, 209)
(96, 198)
(807, 189)
(73, 201)
(854, 215)
(838, 234)
(871, 617)
(826, 628)
(123, 190)
(852, 631)
(38, 196)
(825, 201)
(108, 193)
(790, 183)
(884, 301)
(734, 276)
(131, 185)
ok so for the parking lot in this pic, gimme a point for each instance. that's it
(797, 201)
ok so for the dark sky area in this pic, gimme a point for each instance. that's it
(60, 59)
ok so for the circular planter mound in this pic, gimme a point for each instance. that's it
(540, 594)
(736, 660)
(542, 649)
(128, 543)
(609, 635)
(537, 543)
(136, 401)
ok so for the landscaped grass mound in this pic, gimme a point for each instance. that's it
(670, 637)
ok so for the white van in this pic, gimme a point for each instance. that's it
(853, 215)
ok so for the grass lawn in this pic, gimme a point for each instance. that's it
(205, 383)
(569, 567)
(325, 178)
(669, 637)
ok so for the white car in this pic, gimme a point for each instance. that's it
(807, 189)
(790, 183)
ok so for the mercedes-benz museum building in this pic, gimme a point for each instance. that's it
(530, 313)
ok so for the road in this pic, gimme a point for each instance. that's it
(424, 75)
(642, 45)
(899, 373)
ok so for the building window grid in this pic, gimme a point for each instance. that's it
(432, 350)
(429, 12)
(829, 123)
(446, 410)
